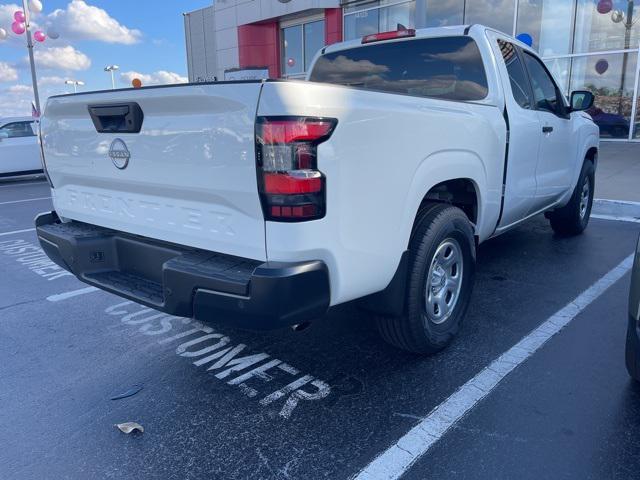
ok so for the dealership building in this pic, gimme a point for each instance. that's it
(587, 44)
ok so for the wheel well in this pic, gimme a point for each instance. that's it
(460, 192)
(592, 154)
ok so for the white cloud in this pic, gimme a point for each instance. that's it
(15, 101)
(161, 77)
(51, 80)
(19, 89)
(80, 21)
(63, 58)
(8, 73)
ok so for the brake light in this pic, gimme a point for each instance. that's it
(378, 37)
(290, 184)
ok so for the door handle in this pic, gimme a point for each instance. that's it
(547, 129)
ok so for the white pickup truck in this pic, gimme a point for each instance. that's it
(264, 203)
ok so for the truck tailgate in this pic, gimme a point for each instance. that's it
(188, 176)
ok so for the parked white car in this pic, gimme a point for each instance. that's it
(19, 149)
(264, 203)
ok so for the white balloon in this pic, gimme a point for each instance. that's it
(35, 6)
(52, 33)
(3, 34)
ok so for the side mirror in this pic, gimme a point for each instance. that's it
(581, 100)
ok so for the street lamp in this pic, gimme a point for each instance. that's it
(112, 68)
(75, 84)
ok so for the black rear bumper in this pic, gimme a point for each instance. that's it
(185, 281)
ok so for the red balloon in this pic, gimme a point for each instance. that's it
(602, 66)
(605, 6)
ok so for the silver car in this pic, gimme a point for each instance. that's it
(633, 332)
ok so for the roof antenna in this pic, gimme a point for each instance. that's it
(401, 27)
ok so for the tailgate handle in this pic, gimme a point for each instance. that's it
(117, 118)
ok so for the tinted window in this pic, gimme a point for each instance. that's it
(18, 129)
(449, 68)
(545, 93)
(517, 76)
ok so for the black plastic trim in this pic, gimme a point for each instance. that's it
(117, 117)
(21, 173)
(505, 168)
(390, 301)
(188, 282)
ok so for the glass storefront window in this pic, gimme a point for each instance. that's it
(374, 20)
(443, 14)
(313, 41)
(300, 43)
(616, 29)
(611, 78)
(560, 68)
(549, 24)
(496, 14)
(391, 17)
(292, 50)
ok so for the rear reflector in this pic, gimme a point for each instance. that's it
(378, 37)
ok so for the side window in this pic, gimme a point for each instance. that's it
(545, 93)
(18, 129)
(517, 76)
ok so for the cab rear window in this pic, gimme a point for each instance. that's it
(448, 68)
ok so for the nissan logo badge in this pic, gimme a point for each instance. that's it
(119, 154)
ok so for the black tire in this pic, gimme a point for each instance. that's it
(632, 353)
(569, 220)
(438, 226)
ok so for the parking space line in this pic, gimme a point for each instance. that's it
(622, 202)
(615, 218)
(17, 231)
(73, 293)
(399, 457)
(25, 200)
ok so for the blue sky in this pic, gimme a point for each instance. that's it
(144, 37)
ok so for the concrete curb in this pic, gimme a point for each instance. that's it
(616, 210)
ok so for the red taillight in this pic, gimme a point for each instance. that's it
(378, 37)
(285, 184)
(291, 186)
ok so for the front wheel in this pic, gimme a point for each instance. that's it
(440, 279)
(573, 218)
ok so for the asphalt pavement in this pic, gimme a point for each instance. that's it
(328, 401)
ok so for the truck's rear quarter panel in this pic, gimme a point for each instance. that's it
(191, 177)
(386, 152)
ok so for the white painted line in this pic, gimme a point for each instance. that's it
(26, 200)
(623, 202)
(399, 457)
(72, 293)
(615, 218)
(17, 231)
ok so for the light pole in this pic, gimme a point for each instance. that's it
(75, 84)
(34, 79)
(112, 68)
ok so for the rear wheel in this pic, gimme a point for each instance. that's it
(573, 218)
(632, 352)
(440, 279)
